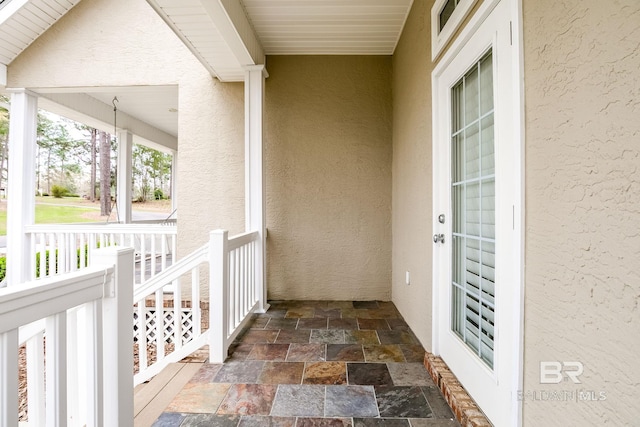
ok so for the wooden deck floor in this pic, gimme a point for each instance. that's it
(151, 398)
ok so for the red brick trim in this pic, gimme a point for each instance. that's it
(464, 408)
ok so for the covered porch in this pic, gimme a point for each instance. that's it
(306, 363)
(332, 227)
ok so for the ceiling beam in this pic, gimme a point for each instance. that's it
(227, 21)
(231, 21)
(92, 112)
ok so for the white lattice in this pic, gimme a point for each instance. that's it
(168, 324)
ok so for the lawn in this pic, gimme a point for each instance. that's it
(65, 210)
(54, 214)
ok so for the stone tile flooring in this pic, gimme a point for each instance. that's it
(316, 364)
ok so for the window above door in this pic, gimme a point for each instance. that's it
(446, 18)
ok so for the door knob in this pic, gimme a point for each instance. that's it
(438, 238)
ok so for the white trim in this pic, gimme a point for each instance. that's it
(439, 39)
(3, 75)
(255, 188)
(519, 220)
(10, 9)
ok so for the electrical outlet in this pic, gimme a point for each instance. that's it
(407, 278)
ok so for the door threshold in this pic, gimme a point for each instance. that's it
(465, 409)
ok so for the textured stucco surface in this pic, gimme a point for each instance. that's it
(125, 43)
(583, 206)
(328, 163)
(412, 173)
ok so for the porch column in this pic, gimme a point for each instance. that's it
(174, 181)
(21, 184)
(123, 186)
(255, 200)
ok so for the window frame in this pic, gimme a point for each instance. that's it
(439, 39)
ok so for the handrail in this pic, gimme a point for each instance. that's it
(171, 273)
(102, 227)
(49, 309)
(241, 239)
(33, 301)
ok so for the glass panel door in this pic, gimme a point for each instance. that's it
(473, 209)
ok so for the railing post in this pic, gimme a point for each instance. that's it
(218, 295)
(117, 317)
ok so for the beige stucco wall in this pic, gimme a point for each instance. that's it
(328, 165)
(412, 181)
(583, 206)
(125, 43)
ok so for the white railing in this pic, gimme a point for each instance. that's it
(235, 288)
(63, 248)
(95, 301)
(165, 335)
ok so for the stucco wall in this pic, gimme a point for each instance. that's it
(328, 162)
(125, 43)
(412, 173)
(583, 206)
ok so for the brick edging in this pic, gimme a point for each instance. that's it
(464, 408)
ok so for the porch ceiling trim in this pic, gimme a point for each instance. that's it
(217, 32)
(23, 21)
(100, 115)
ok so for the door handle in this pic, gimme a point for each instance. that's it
(438, 238)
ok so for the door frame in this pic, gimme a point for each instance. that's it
(515, 351)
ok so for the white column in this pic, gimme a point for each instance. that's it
(123, 186)
(174, 181)
(255, 200)
(21, 184)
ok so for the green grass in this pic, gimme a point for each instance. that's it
(47, 214)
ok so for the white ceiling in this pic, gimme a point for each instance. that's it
(328, 27)
(282, 27)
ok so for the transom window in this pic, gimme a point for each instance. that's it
(446, 17)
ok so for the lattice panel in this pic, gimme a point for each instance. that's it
(168, 325)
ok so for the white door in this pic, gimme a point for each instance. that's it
(477, 203)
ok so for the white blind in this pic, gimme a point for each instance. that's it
(473, 199)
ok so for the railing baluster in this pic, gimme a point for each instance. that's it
(177, 315)
(142, 336)
(53, 255)
(143, 259)
(152, 271)
(40, 254)
(95, 406)
(83, 250)
(56, 373)
(232, 292)
(35, 379)
(159, 326)
(195, 303)
(163, 249)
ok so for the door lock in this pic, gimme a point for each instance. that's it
(438, 238)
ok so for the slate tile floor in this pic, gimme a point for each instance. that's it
(316, 364)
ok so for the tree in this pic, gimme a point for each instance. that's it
(105, 173)
(151, 171)
(94, 165)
